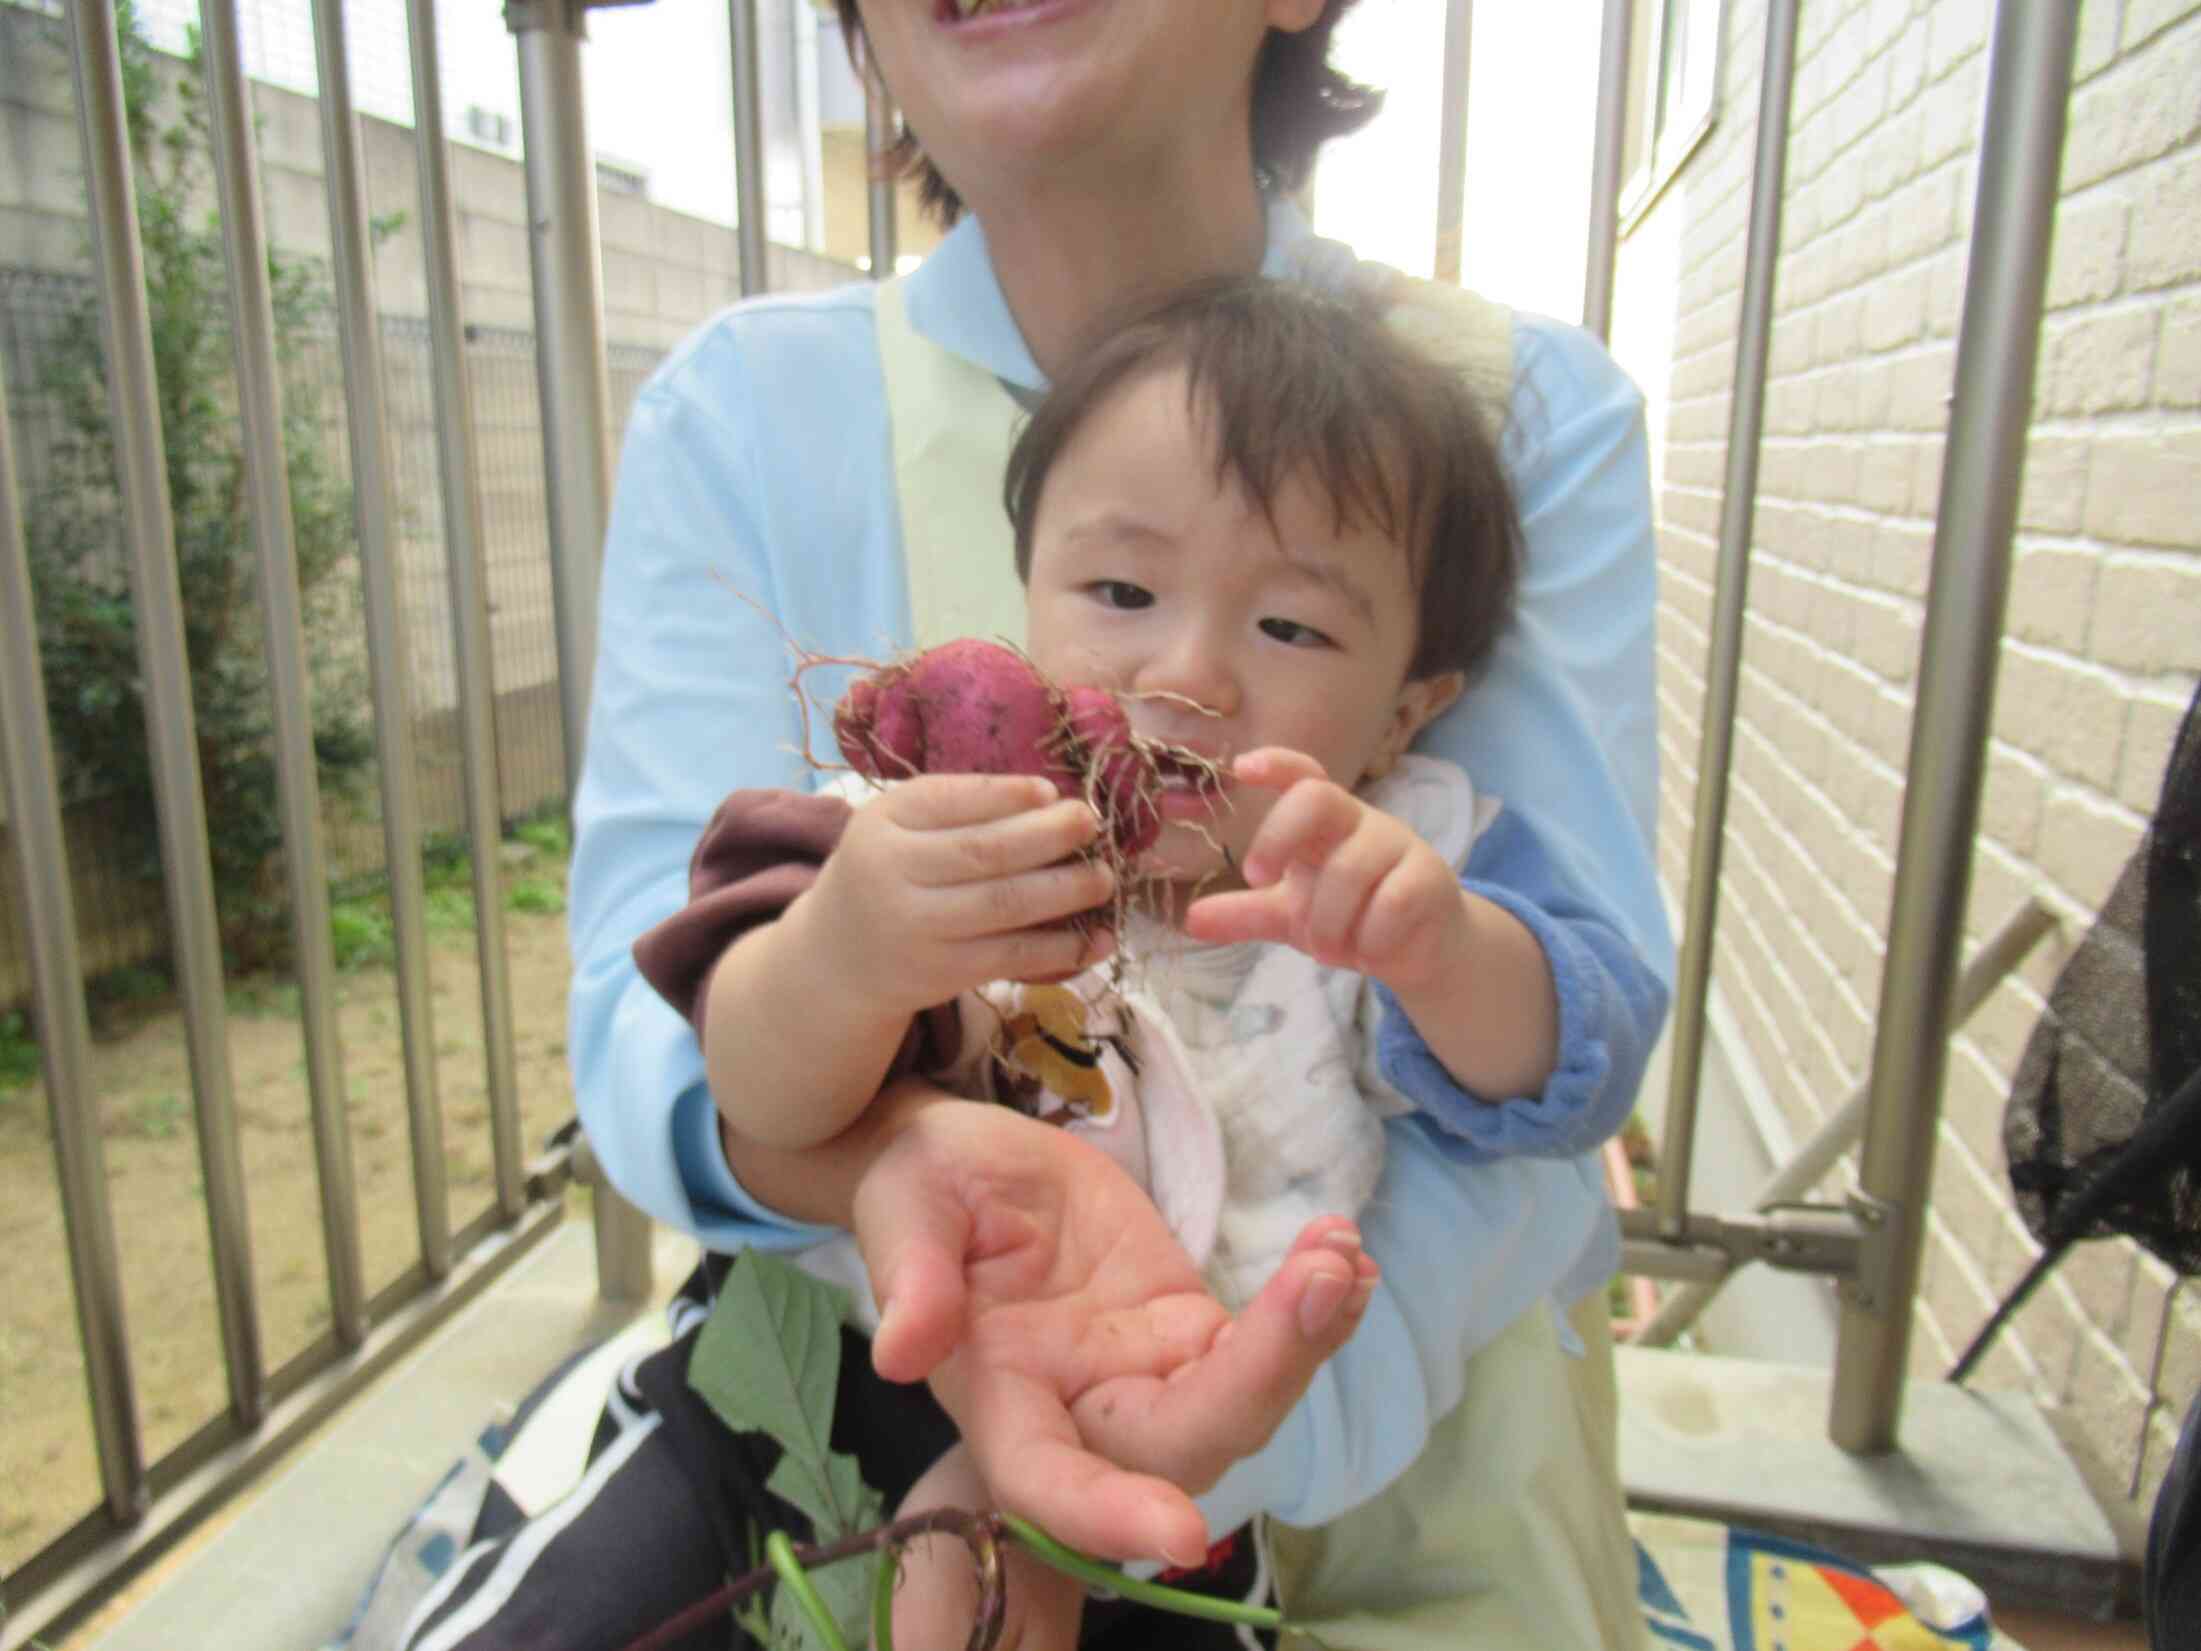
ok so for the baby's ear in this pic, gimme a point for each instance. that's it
(1421, 701)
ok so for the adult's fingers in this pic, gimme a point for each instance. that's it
(914, 1233)
(1227, 1403)
(1030, 1453)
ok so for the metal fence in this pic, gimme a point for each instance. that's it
(1871, 1245)
(120, 912)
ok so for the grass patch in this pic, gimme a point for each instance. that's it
(18, 1051)
(546, 834)
(360, 932)
(450, 910)
(540, 896)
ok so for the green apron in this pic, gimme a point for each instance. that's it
(1507, 1531)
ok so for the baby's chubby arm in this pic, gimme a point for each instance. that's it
(1357, 888)
(939, 884)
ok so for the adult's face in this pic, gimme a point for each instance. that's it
(1006, 95)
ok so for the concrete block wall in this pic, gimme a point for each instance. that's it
(2104, 640)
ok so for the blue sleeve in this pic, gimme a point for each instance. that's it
(1610, 1008)
(1563, 722)
(715, 565)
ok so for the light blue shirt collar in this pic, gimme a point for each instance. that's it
(954, 299)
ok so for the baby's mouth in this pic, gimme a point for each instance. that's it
(961, 11)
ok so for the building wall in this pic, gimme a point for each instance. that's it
(2104, 638)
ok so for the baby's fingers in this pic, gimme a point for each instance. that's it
(1248, 914)
(1305, 827)
(1276, 767)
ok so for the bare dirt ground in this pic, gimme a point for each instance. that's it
(48, 1470)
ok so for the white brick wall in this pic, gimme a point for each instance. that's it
(2104, 636)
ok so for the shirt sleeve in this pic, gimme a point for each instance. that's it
(1563, 722)
(1611, 1006)
(690, 695)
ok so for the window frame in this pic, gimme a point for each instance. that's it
(1662, 132)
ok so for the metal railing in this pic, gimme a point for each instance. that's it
(1871, 1246)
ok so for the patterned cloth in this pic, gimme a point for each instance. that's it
(480, 1558)
(1711, 1587)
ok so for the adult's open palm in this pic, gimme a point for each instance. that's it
(1096, 1380)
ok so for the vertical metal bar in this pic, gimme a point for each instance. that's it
(565, 258)
(64, 1038)
(133, 399)
(1723, 668)
(749, 207)
(260, 408)
(1998, 343)
(463, 548)
(1459, 36)
(1611, 150)
(359, 324)
(878, 139)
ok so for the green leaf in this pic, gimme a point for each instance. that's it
(768, 1362)
(836, 1499)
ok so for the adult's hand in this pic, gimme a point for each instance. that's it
(1096, 1380)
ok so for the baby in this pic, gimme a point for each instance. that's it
(1284, 537)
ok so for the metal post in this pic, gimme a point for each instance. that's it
(1459, 35)
(463, 544)
(2021, 147)
(133, 401)
(878, 139)
(260, 408)
(1723, 667)
(1838, 1132)
(565, 260)
(749, 208)
(64, 1038)
(359, 330)
(1612, 144)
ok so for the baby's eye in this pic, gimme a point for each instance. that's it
(1293, 632)
(1121, 593)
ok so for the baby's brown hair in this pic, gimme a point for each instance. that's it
(1290, 381)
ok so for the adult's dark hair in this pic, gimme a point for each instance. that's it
(1300, 102)
(1286, 381)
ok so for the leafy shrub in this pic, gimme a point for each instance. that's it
(87, 621)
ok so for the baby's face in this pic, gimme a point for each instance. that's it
(1227, 630)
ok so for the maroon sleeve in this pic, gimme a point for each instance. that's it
(761, 849)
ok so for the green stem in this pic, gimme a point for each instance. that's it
(882, 1601)
(1100, 1575)
(781, 1553)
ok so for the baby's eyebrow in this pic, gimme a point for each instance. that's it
(1116, 527)
(1337, 577)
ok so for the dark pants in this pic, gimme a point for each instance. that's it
(665, 1516)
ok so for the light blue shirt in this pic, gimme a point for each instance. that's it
(754, 522)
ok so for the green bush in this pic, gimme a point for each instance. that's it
(87, 623)
(18, 1051)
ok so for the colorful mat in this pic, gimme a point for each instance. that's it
(1709, 1587)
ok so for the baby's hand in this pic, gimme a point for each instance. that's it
(1349, 885)
(950, 880)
